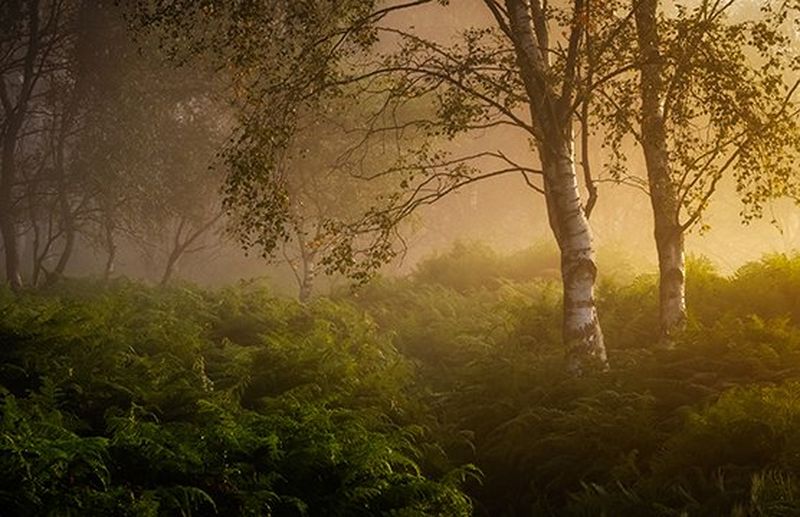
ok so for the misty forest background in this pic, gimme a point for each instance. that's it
(412, 257)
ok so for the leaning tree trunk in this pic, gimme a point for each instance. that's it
(582, 334)
(69, 240)
(552, 118)
(66, 253)
(169, 267)
(669, 234)
(180, 248)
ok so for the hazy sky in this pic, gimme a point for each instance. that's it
(510, 216)
(507, 214)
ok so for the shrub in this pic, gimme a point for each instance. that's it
(136, 401)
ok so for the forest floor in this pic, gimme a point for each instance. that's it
(428, 395)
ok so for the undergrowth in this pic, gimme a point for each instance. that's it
(412, 396)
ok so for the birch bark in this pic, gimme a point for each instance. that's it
(552, 118)
(669, 234)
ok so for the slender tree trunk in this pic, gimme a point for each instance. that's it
(32, 248)
(8, 227)
(40, 251)
(14, 116)
(8, 176)
(66, 252)
(37, 265)
(67, 215)
(111, 248)
(307, 281)
(582, 334)
(669, 234)
(181, 247)
(108, 269)
(551, 123)
(169, 268)
(70, 231)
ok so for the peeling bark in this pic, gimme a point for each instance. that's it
(552, 118)
(669, 234)
(582, 334)
(672, 283)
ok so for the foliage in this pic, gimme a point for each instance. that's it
(131, 401)
(706, 428)
(726, 78)
(136, 401)
(474, 265)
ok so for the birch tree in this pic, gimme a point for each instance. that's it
(715, 97)
(525, 68)
(154, 180)
(320, 189)
(323, 167)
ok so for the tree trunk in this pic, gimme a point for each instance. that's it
(180, 248)
(169, 268)
(663, 194)
(14, 116)
(36, 268)
(306, 289)
(307, 282)
(111, 248)
(66, 253)
(672, 281)
(552, 117)
(108, 269)
(8, 227)
(582, 334)
(67, 215)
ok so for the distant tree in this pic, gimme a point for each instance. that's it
(33, 38)
(146, 151)
(154, 179)
(178, 206)
(331, 173)
(62, 112)
(319, 188)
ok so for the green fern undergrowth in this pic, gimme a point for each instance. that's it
(414, 396)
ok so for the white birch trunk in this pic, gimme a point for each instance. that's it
(307, 280)
(672, 283)
(669, 234)
(582, 334)
(551, 121)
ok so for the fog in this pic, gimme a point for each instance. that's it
(422, 258)
(502, 212)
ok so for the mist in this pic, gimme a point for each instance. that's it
(388, 257)
(500, 212)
